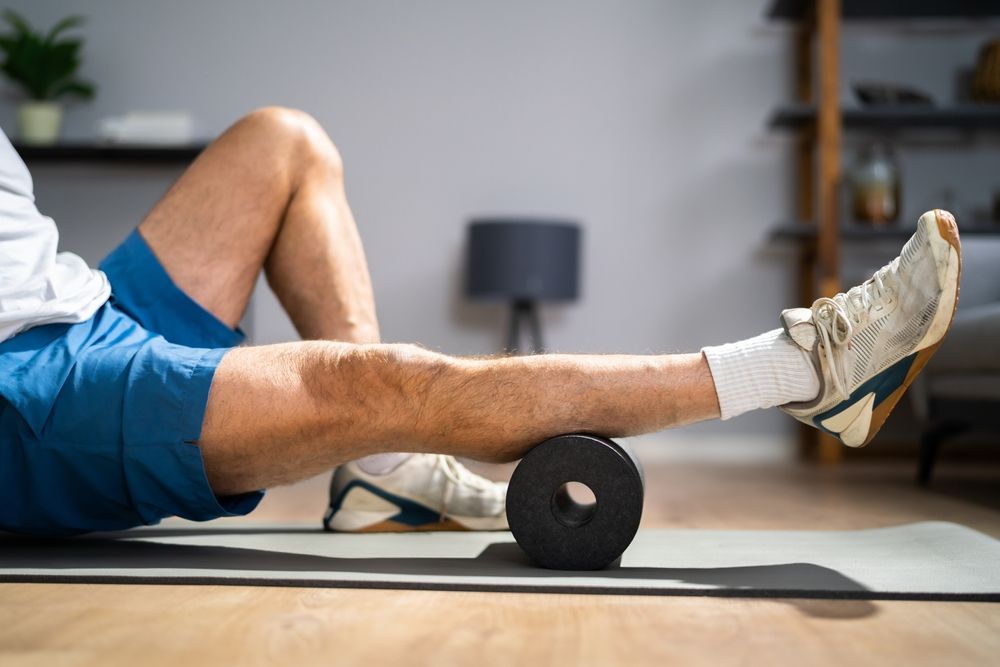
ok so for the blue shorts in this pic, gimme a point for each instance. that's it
(98, 420)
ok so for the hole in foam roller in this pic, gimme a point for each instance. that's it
(574, 504)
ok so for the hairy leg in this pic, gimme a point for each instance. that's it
(268, 193)
(280, 413)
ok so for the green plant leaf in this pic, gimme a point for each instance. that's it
(8, 44)
(58, 63)
(25, 64)
(17, 22)
(44, 65)
(64, 25)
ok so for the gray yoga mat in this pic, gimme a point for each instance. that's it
(932, 560)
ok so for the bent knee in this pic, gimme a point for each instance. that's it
(295, 129)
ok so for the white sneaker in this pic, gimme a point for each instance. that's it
(870, 343)
(425, 492)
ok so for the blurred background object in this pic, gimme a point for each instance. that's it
(870, 93)
(148, 127)
(525, 262)
(874, 181)
(986, 80)
(44, 67)
(917, 46)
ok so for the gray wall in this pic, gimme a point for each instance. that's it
(644, 119)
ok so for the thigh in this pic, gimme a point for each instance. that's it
(142, 288)
(214, 227)
(281, 413)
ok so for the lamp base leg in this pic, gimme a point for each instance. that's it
(519, 311)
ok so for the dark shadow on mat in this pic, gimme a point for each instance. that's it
(498, 561)
(198, 531)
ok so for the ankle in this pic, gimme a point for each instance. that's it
(761, 372)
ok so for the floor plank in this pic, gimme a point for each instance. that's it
(153, 625)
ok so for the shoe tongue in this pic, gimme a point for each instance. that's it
(798, 324)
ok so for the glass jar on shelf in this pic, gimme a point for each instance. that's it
(874, 186)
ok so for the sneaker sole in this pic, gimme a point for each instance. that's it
(379, 524)
(390, 526)
(400, 515)
(947, 230)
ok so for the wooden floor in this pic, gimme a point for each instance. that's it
(48, 624)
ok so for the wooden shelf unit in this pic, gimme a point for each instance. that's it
(798, 10)
(818, 121)
(855, 232)
(984, 117)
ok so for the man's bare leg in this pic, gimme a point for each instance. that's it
(281, 413)
(269, 193)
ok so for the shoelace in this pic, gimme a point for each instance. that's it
(458, 475)
(836, 318)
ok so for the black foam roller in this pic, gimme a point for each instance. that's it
(559, 533)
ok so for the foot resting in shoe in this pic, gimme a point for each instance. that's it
(425, 492)
(869, 343)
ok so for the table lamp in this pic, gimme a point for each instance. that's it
(523, 261)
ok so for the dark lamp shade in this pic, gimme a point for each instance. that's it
(523, 260)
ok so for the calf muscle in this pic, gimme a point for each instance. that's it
(281, 413)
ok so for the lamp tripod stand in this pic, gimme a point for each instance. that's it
(522, 310)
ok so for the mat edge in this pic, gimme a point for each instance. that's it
(517, 588)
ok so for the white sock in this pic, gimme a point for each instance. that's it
(382, 464)
(761, 372)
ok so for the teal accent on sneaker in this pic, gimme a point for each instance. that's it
(410, 513)
(882, 384)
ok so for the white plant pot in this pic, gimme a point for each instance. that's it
(39, 122)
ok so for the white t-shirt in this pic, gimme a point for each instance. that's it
(37, 284)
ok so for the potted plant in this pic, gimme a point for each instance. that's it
(44, 66)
